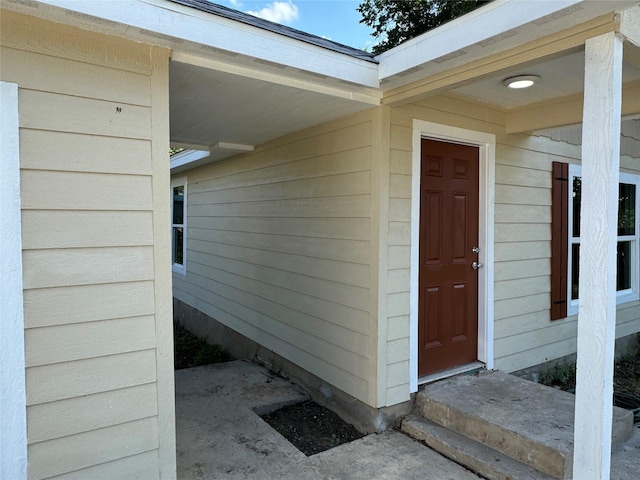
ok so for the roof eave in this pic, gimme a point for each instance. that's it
(222, 11)
(183, 28)
(494, 27)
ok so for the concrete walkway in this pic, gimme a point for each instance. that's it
(220, 436)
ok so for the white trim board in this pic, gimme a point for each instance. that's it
(13, 402)
(188, 159)
(486, 144)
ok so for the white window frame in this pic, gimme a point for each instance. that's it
(179, 268)
(622, 296)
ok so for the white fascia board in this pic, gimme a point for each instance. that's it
(630, 25)
(489, 21)
(162, 19)
(187, 157)
(190, 159)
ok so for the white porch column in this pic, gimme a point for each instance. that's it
(599, 219)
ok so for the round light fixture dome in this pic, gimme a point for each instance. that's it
(521, 81)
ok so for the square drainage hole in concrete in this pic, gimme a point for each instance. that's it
(311, 428)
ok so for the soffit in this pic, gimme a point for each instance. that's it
(211, 106)
(559, 78)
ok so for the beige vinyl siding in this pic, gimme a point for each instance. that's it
(523, 255)
(143, 466)
(279, 249)
(93, 265)
(524, 334)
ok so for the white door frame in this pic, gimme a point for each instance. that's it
(486, 143)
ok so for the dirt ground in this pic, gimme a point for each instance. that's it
(311, 427)
(626, 381)
(627, 374)
(190, 351)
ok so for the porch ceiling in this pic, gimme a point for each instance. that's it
(556, 98)
(550, 47)
(209, 106)
(559, 78)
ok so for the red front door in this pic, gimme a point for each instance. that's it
(448, 284)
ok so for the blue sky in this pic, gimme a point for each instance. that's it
(336, 20)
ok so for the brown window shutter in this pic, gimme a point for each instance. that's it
(559, 239)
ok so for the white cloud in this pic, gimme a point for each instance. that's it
(279, 12)
(235, 3)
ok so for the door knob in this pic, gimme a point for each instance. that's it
(476, 265)
(475, 250)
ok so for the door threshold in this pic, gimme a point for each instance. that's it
(466, 368)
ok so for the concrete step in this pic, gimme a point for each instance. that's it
(475, 456)
(526, 421)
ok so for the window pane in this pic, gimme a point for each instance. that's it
(577, 195)
(623, 277)
(626, 210)
(575, 269)
(177, 246)
(178, 204)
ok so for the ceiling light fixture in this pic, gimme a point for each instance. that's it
(521, 81)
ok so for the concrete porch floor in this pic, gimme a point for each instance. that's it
(220, 436)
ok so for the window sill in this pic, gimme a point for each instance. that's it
(181, 269)
(626, 301)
